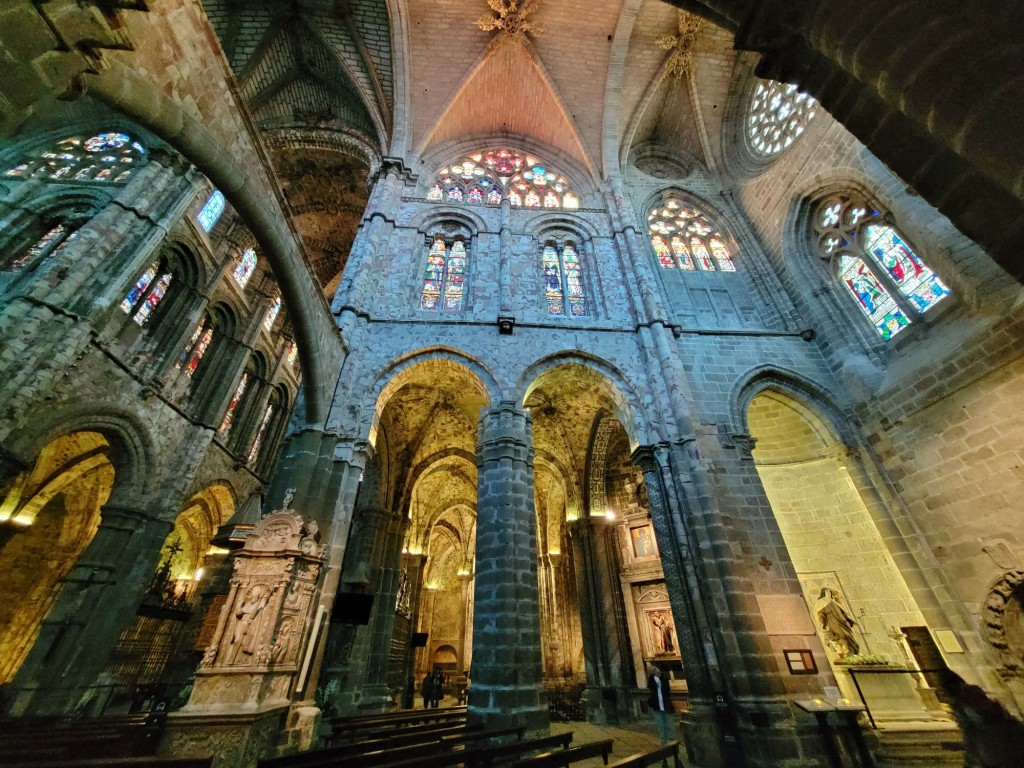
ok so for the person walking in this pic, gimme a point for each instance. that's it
(436, 689)
(660, 702)
(426, 689)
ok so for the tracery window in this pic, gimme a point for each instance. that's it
(683, 236)
(563, 280)
(272, 313)
(776, 116)
(147, 293)
(879, 269)
(211, 210)
(445, 281)
(107, 158)
(245, 267)
(193, 352)
(486, 178)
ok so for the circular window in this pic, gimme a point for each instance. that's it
(778, 114)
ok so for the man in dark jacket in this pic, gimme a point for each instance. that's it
(660, 702)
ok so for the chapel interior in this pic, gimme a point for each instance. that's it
(529, 342)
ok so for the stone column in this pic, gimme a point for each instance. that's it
(465, 621)
(505, 263)
(605, 642)
(507, 672)
(98, 598)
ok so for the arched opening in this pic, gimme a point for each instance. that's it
(157, 653)
(412, 542)
(600, 579)
(860, 603)
(48, 516)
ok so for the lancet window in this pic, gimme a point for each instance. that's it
(272, 313)
(196, 348)
(246, 266)
(108, 158)
(51, 242)
(211, 210)
(236, 398)
(683, 236)
(563, 280)
(488, 177)
(147, 293)
(878, 269)
(777, 115)
(445, 282)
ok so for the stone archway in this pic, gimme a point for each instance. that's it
(50, 513)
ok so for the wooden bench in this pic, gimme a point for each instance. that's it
(361, 725)
(385, 731)
(383, 751)
(645, 759)
(120, 762)
(563, 758)
(38, 740)
(483, 757)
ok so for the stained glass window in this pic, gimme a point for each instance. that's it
(563, 281)
(444, 283)
(193, 352)
(245, 267)
(683, 236)
(914, 279)
(888, 280)
(489, 176)
(225, 426)
(50, 243)
(254, 451)
(109, 158)
(148, 291)
(777, 115)
(873, 299)
(293, 354)
(211, 210)
(275, 308)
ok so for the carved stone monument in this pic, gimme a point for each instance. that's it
(245, 682)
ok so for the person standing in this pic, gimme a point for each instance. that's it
(426, 689)
(436, 689)
(660, 702)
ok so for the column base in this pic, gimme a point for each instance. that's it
(235, 740)
(496, 709)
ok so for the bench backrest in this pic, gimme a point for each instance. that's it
(645, 759)
(566, 757)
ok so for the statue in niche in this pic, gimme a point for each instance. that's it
(245, 636)
(836, 623)
(664, 631)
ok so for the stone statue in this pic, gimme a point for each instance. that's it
(664, 631)
(289, 495)
(836, 623)
(245, 636)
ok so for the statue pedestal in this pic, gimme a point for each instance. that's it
(234, 739)
(889, 692)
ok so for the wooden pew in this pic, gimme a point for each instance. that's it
(481, 756)
(45, 740)
(563, 758)
(384, 731)
(120, 762)
(342, 727)
(374, 753)
(645, 759)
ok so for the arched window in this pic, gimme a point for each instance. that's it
(268, 427)
(107, 158)
(563, 280)
(272, 313)
(245, 267)
(236, 398)
(293, 355)
(51, 242)
(147, 293)
(444, 284)
(196, 348)
(211, 210)
(776, 116)
(683, 236)
(485, 178)
(872, 260)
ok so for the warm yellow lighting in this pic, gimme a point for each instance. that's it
(199, 574)
(432, 586)
(23, 521)
(609, 515)
(462, 572)
(218, 551)
(554, 552)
